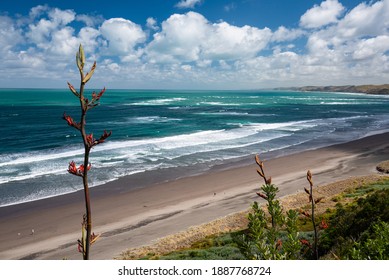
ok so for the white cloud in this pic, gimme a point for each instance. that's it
(283, 34)
(122, 36)
(10, 35)
(41, 32)
(373, 47)
(354, 47)
(28, 60)
(365, 20)
(319, 16)
(186, 67)
(188, 4)
(228, 42)
(90, 20)
(179, 39)
(62, 17)
(37, 11)
(88, 38)
(204, 63)
(191, 37)
(151, 23)
(63, 42)
(190, 51)
(317, 45)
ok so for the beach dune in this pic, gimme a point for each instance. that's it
(134, 211)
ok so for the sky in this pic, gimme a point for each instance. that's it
(195, 44)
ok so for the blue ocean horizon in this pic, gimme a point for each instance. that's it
(167, 129)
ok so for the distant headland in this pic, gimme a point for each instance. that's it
(369, 89)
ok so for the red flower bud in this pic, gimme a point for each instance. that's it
(96, 97)
(305, 242)
(90, 140)
(70, 121)
(104, 136)
(78, 171)
(72, 168)
(279, 244)
(323, 224)
(81, 169)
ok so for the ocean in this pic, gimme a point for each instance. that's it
(154, 130)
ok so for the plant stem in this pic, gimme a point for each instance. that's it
(85, 175)
(315, 250)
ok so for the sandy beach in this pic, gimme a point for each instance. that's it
(134, 211)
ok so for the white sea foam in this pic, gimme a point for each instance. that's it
(136, 152)
(348, 103)
(219, 104)
(203, 137)
(212, 147)
(34, 174)
(288, 126)
(165, 143)
(229, 113)
(39, 157)
(224, 113)
(155, 119)
(134, 156)
(156, 102)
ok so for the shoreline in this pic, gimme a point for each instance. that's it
(131, 217)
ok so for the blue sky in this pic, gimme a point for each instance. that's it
(195, 44)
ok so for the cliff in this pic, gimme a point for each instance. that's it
(369, 89)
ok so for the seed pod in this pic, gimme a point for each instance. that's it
(81, 56)
(258, 161)
(309, 177)
(260, 173)
(262, 195)
(304, 213)
(89, 75)
(72, 89)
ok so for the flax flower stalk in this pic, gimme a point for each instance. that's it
(87, 237)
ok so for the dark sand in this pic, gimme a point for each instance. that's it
(131, 217)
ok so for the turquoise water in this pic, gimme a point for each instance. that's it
(154, 130)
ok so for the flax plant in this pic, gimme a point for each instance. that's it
(264, 241)
(87, 237)
(313, 202)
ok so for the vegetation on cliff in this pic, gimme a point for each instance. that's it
(368, 89)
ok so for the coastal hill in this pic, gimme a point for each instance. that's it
(369, 89)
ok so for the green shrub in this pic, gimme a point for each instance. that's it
(274, 239)
(374, 243)
(355, 224)
(215, 248)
